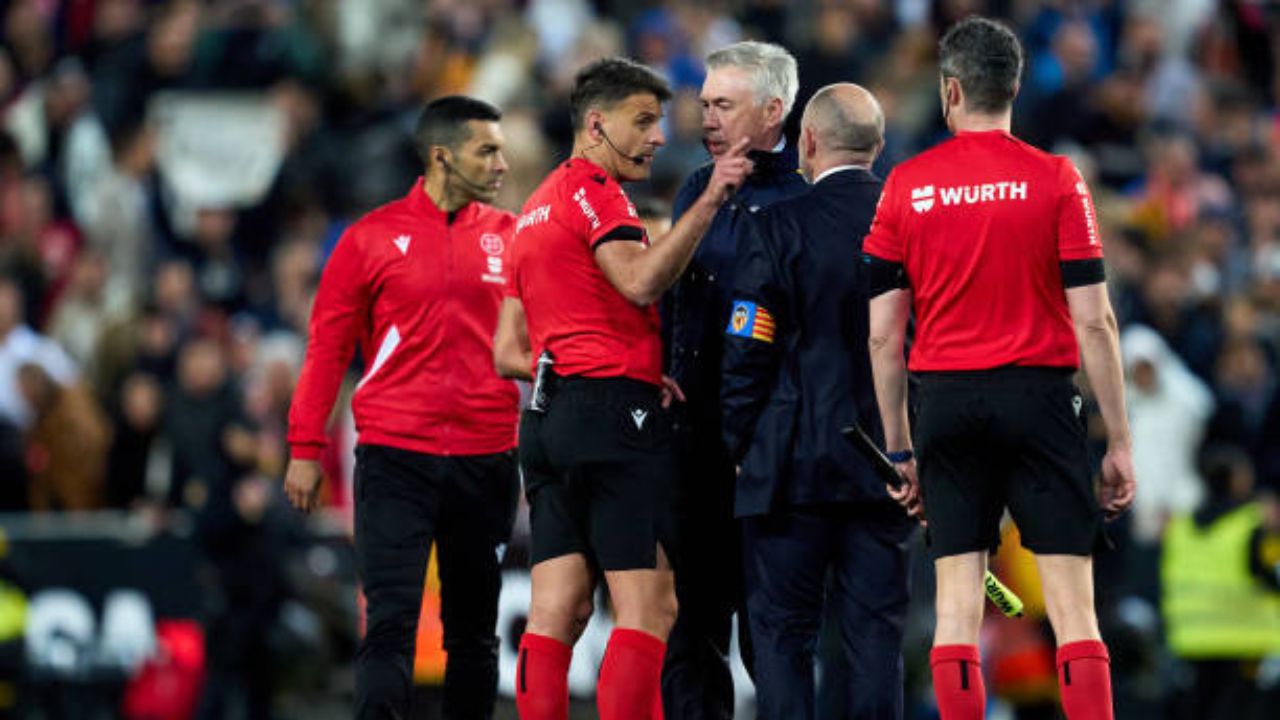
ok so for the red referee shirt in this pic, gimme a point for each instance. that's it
(570, 306)
(980, 224)
(420, 295)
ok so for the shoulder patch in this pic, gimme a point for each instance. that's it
(750, 320)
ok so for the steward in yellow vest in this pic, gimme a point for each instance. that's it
(1215, 603)
(1221, 595)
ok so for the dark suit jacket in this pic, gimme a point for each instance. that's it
(796, 368)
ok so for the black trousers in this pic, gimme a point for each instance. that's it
(789, 556)
(404, 502)
(697, 683)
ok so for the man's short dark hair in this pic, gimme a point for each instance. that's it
(986, 57)
(444, 122)
(605, 83)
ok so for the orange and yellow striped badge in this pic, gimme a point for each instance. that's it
(750, 320)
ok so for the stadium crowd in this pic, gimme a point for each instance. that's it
(151, 328)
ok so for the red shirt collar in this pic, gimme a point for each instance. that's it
(422, 203)
(984, 133)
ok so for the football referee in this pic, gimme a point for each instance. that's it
(995, 247)
(596, 450)
(416, 284)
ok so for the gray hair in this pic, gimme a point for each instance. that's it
(773, 70)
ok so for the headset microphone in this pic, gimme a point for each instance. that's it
(478, 187)
(635, 159)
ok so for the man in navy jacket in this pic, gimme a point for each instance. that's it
(749, 91)
(796, 371)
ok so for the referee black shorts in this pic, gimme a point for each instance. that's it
(600, 474)
(1010, 437)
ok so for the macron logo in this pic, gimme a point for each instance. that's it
(402, 242)
(922, 198)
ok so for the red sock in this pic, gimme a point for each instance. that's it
(542, 678)
(957, 682)
(1084, 675)
(630, 676)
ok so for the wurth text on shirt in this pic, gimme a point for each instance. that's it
(922, 198)
(580, 197)
(536, 216)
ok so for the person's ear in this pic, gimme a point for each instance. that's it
(773, 112)
(955, 93)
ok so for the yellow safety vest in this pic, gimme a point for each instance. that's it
(13, 612)
(1213, 606)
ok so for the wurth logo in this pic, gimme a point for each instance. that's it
(922, 198)
(1086, 206)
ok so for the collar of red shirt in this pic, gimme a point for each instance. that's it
(422, 203)
(994, 132)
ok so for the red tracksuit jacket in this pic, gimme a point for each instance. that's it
(420, 294)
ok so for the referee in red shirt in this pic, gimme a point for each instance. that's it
(596, 449)
(994, 245)
(417, 284)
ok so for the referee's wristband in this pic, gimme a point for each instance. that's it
(900, 456)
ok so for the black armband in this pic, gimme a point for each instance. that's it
(1078, 273)
(633, 233)
(880, 276)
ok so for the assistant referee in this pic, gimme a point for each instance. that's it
(416, 285)
(995, 246)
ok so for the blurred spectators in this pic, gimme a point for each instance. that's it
(81, 311)
(116, 211)
(66, 445)
(1168, 410)
(132, 460)
(124, 265)
(207, 434)
(20, 345)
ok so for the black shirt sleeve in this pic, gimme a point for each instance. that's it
(879, 276)
(1078, 273)
(621, 232)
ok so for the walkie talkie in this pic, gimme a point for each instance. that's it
(543, 383)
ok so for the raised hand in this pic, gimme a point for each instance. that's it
(732, 169)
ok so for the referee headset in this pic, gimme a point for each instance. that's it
(451, 171)
(636, 160)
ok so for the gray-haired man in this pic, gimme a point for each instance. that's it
(748, 93)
